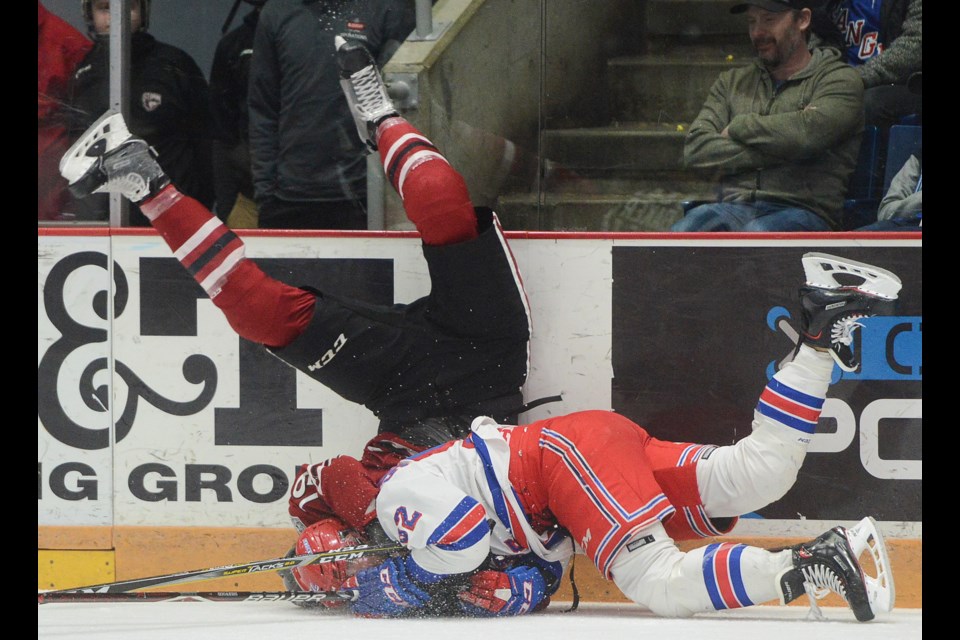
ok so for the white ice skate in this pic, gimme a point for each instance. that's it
(822, 269)
(109, 159)
(364, 89)
(838, 294)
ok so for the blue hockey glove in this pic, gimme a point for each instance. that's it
(512, 592)
(387, 590)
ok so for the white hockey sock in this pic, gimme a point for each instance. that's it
(793, 399)
(762, 467)
(670, 582)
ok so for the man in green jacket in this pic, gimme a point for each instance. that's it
(782, 133)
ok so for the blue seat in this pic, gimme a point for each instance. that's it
(913, 119)
(863, 190)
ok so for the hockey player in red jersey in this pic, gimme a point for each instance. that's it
(425, 369)
(626, 497)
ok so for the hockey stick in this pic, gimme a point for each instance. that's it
(231, 571)
(299, 597)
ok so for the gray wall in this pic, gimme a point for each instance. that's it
(192, 25)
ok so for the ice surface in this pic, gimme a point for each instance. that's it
(591, 621)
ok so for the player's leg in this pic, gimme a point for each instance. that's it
(108, 159)
(597, 481)
(652, 571)
(762, 467)
(434, 194)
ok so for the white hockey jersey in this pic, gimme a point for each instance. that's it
(453, 505)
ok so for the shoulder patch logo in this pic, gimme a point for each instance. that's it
(150, 101)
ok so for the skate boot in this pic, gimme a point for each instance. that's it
(363, 86)
(108, 159)
(838, 294)
(831, 563)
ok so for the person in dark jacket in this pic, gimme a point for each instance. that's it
(168, 108)
(309, 168)
(229, 77)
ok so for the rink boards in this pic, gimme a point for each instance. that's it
(206, 429)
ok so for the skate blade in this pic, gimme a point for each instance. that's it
(822, 269)
(865, 537)
(76, 163)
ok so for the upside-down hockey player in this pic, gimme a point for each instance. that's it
(425, 369)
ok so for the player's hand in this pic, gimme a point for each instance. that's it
(504, 593)
(386, 590)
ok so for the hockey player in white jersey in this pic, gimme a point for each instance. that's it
(625, 497)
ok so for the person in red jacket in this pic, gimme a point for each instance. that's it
(60, 48)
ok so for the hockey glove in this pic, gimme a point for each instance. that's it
(504, 593)
(387, 590)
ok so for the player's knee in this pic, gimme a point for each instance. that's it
(438, 203)
(652, 574)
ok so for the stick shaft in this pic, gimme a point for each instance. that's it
(347, 595)
(232, 571)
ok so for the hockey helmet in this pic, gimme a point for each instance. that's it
(328, 534)
(86, 7)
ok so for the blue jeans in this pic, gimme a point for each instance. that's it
(754, 216)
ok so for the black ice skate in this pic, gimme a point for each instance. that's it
(108, 159)
(838, 294)
(363, 86)
(831, 563)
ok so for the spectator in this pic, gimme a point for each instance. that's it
(783, 132)
(229, 76)
(309, 168)
(60, 48)
(902, 206)
(168, 108)
(884, 42)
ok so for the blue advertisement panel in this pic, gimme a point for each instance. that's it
(698, 332)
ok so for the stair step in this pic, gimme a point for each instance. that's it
(640, 211)
(694, 18)
(619, 150)
(628, 176)
(700, 48)
(603, 184)
(664, 88)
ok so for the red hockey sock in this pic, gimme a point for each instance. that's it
(434, 194)
(259, 308)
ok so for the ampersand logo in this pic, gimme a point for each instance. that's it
(74, 336)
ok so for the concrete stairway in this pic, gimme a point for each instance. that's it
(630, 176)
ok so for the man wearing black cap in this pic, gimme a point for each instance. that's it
(782, 133)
